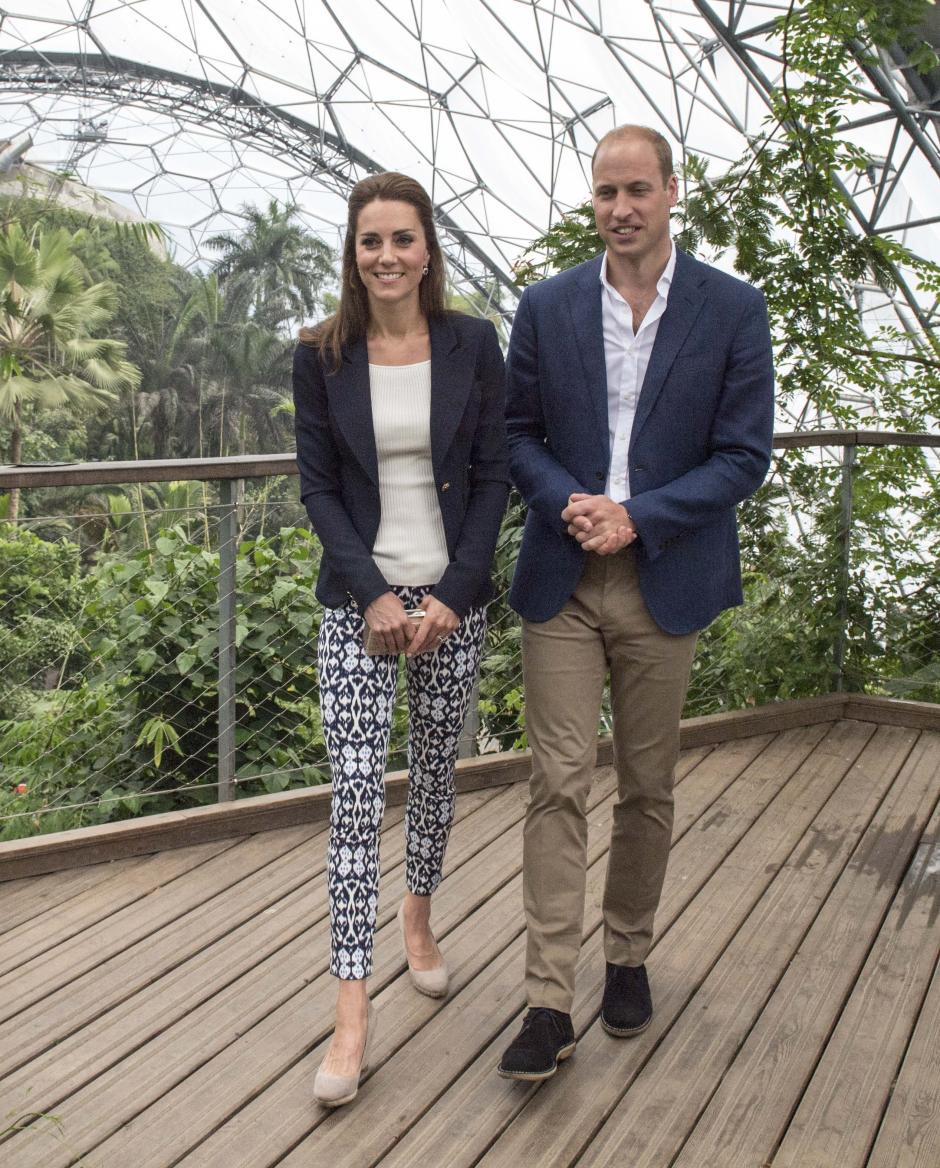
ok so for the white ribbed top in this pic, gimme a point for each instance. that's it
(410, 547)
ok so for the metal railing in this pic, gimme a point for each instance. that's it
(157, 648)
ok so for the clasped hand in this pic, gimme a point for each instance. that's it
(598, 523)
(387, 617)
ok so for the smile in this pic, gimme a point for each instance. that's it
(625, 230)
(389, 277)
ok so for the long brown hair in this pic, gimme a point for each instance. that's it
(350, 321)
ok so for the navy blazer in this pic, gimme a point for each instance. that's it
(339, 476)
(701, 437)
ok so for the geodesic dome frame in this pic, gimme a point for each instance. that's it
(187, 109)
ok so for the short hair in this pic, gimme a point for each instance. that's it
(655, 139)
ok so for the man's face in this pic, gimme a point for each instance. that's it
(631, 202)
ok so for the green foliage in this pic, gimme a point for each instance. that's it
(213, 350)
(784, 210)
(274, 268)
(39, 603)
(502, 703)
(51, 320)
(165, 656)
(571, 241)
(48, 322)
(137, 733)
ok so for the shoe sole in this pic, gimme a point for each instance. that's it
(428, 994)
(538, 1076)
(616, 1032)
(331, 1103)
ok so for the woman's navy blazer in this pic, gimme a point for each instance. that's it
(339, 476)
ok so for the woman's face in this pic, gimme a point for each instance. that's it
(391, 251)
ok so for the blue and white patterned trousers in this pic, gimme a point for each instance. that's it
(357, 698)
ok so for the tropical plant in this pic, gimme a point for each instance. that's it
(49, 353)
(138, 730)
(40, 603)
(274, 267)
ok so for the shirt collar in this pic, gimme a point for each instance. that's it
(662, 284)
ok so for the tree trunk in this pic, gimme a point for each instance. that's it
(16, 456)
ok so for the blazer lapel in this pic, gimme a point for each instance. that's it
(351, 401)
(451, 381)
(584, 301)
(683, 306)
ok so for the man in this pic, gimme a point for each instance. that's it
(640, 412)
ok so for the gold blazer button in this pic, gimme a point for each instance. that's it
(445, 486)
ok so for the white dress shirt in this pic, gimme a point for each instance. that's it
(627, 356)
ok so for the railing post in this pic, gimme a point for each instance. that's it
(228, 545)
(467, 746)
(845, 565)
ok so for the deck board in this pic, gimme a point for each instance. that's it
(28, 897)
(749, 1112)
(651, 1122)
(909, 1136)
(181, 1002)
(763, 814)
(33, 952)
(839, 1114)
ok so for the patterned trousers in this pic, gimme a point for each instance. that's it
(357, 698)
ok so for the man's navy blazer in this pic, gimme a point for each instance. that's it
(339, 475)
(701, 437)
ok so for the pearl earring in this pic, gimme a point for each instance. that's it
(425, 270)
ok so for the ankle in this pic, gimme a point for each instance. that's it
(416, 911)
(352, 1004)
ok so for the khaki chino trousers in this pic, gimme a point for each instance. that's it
(604, 627)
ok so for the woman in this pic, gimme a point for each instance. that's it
(403, 471)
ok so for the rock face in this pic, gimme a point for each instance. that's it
(23, 178)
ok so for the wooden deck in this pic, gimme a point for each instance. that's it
(171, 1009)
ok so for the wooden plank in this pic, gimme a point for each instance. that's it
(658, 1109)
(20, 858)
(771, 718)
(716, 874)
(173, 829)
(280, 1114)
(245, 1005)
(247, 466)
(274, 1121)
(893, 711)
(474, 1097)
(91, 845)
(23, 899)
(812, 438)
(281, 987)
(839, 1114)
(748, 1114)
(123, 889)
(70, 1038)
(44, 931)
(909, 1136)
(150, 470)
(207, 871)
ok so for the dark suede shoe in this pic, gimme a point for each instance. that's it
(546, 1038)
(627, 1008)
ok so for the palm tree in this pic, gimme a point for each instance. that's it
(49, 356)
(275, 266)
